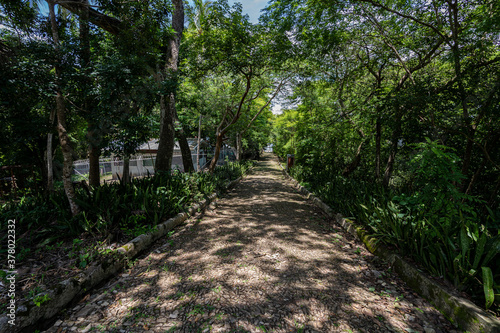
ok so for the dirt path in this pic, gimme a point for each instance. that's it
(265, 260)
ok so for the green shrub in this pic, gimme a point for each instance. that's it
(429, 219)
(130, 208)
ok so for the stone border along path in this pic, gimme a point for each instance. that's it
(28, 316)
(264, 260)
(457, 309)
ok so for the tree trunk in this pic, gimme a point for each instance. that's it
(67, 152)
(84, 36)
(218, 146)
(356, 160)
(49, 154)
(94, 170)
(378, 139)
(455, 29)
(167, 135)
(94, 151)
(108, 23)
(222, 128)
(238, 146)
(187, 159)
(198, 166)
(64, 139)
(389, 167)
(126, 170)
(167, 102)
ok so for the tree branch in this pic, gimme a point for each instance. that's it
(386, 41)
(240, 105)
(108, 23)
(436, 30)
(265, 105)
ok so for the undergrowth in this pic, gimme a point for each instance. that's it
(125, 209)
(451, 234)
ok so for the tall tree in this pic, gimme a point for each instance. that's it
(406, 70)
(166, 72)
(167, 101)
(93, 134)
(242, 54)
(64, 138)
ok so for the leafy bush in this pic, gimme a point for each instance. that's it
(37, 217)
(228, 172)
(127, 208)
(430, 219)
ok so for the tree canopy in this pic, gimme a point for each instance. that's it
(397, 101)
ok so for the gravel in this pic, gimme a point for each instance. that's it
(263, 259)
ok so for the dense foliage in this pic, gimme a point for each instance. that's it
(112, 80)
(396, 124)
(392, 114)
(116, 211)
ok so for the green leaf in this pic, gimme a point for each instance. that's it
(489, 294)
(479, 250)
(464, 242)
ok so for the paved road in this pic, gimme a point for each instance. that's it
(263, 260)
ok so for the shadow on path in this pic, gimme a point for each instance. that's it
(265, 260)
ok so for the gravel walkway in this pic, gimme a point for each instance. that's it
(263, 260)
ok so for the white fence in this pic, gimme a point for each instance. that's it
(143, 165)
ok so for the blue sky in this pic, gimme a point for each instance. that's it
(252, 8)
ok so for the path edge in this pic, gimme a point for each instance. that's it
(28, 314)
(458, 310)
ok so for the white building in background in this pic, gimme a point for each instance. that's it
(142, 163)
(147, 153)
